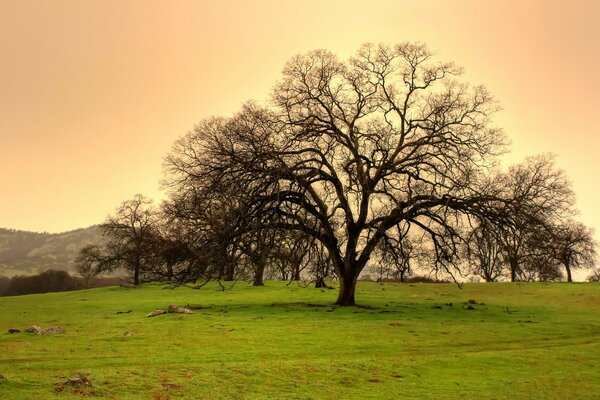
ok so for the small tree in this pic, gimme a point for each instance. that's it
(594, 276)
(572, 244)
(397, 253)
(540, 196)
(484, 252)
(129, 242)
(90, 263)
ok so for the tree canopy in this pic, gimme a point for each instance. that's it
(346, 151)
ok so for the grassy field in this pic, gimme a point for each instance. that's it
(421, 341)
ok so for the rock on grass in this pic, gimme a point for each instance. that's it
(38, 330)
(155, 313)
(180, 310)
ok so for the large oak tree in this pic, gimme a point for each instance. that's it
(346, 151)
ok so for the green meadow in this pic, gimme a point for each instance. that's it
(407, 341)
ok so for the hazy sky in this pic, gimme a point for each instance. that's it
(93, 93)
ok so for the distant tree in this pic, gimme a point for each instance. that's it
(90, 263)
(540, 197)
(484, 252)
(207, 223)
(571, 244)
(594, 276)
(129, 236)
(168, 250)
(257, 246)
(4, 285)
(45, 282)
(290, 255)
(397, 253)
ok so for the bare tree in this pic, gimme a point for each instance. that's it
(257, 246)
(351, 149)
(541, 196)
(214, 223)
(484, 252)
(129, 240)
(291, 254)
(571, 244)
(594, 276)
(397, 253)
(90, 263)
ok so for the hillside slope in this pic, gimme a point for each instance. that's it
(27, 253)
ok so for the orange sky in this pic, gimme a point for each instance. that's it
(93, 93)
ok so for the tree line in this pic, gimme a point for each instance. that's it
(386, 161)
(50, 281)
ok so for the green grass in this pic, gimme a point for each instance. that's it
(526, 341)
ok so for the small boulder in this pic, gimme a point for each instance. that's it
(35, 329)
(12, 331)
(38, 330)
(180, 310)
(156, 312)
(53, 330)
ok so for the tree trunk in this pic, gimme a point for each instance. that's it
(347, 289)
(136, 275)
(569, 277)
(169, 272)
(229, 271)
(296, 273)
(258, 275)
(487, 277)
(514, 266)
(320, 283)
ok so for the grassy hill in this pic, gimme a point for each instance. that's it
(28, 253)
(421, 341)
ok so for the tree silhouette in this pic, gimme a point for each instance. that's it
(348, 150)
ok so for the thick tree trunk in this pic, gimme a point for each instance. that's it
(258, 275)
(347, 289)
(487, 277)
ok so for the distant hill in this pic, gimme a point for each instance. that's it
(28, 253)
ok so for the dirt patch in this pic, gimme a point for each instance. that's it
(80, 385)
